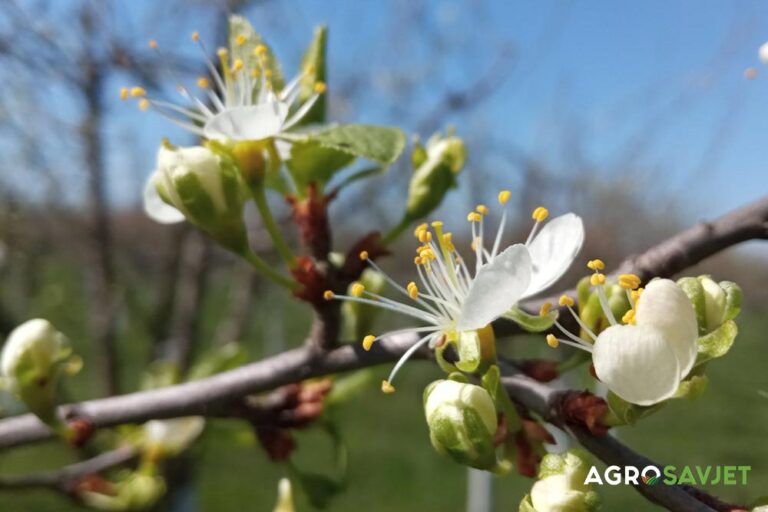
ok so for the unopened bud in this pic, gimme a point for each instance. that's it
(284, 497)
(135, 490)
(561, 486)
(462, 422)
(172, 436)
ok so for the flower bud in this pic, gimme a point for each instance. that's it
(202, 186)
(561, 487)
(284, 497)
(462, 422)
(445, 157)
(714, 303)
(134, 490)
(358, 318)
(168, 438)
(33, 359)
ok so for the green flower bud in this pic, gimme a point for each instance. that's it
(462, 422)
(133, 490)
(358, 318)
(33, 359)
(561, 487)
(284, 497)
(435, 175)
(168, 438)
(205, 187)
(714, 303)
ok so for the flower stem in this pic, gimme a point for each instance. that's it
(263, 267)
(260, 197)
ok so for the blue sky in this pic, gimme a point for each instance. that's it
(656, 87)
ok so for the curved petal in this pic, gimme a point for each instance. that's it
(637, 363)
(254, 122)
(496, 288)
(665, 306)
(157, 209)
(554, 493)
(553, 250)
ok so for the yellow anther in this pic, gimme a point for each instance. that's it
(203, 82)
(629, 317)
(260, 50)
(544, 310)
(241, 40)
(195, 36)
(328, 295)
(481, 209)
(419, 229)
(137, 92)
(448, 242)
(636, 294)
(363, 255)
(357, 289)
(540, 214)
(418, 261)
(474, 217)
(267, 74)
(552, 341)
(597, 279)
(437, 224)
(255, 72)
(387, 388)
(124, 93)
(474, 243)
(143, 104)
(237, 65)
(413, 290)
(629, 281)
(425, 236)
(595, 265)
(222, 52)
(320, 87)
(566, 300)
(504, 196)
(152, 44)
(368, 342)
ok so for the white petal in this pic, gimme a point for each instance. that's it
(496, 288)
(156, 208)
(664, 306)
(553, 250)
(554, 494)
(253, 122)
(637, 363)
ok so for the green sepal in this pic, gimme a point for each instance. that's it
(695, 292)
(529, 322)
(625, 413)
(717, 343)
(692, 387)
(491, 380)
(246, 51)
(733, 297)
(377, 143)
(526, 505)
(477, 350)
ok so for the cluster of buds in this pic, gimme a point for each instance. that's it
(561, 487)
(130, 490)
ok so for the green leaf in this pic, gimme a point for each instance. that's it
(529, 322)
(240, 26)
(313, 70)
(377, 143)
(312, 162)
(717, 343)
(491, 380)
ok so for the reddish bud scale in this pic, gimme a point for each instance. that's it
(585, 409)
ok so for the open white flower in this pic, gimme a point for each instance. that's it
(643, 361)
(174, 435)
(451, 298)
(240, 102)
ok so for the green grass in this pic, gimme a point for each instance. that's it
(392, 465)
